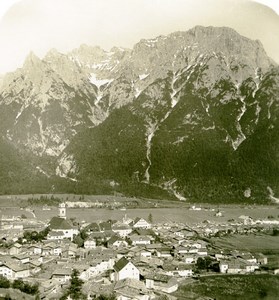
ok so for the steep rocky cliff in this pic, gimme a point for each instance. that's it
(192, 115)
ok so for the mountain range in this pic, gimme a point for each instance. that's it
(190, 116)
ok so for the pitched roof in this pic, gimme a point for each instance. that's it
(141, 231)
(121, 227)
(17, 245)
(92, 227)
(137, 219)
(114, 239)
(62, 272)
(140, 238)
(105, 226)
(154, 246)
(15, 267)
(59, 223)
(123, 262)
(55, 233)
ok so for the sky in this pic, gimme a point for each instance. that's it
(39, 25)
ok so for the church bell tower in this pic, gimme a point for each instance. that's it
(62, 210)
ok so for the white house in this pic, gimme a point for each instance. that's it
(37, 249)
(15, 249)
(138, 240)
(164, 252)
(57, 250)
(224, 265)
(116, 242)
(99, 266)
(193, 250)
(237, 266)
(190, 259)
(141, 223)
(122, 230)
(62, 274)
(202, 252)
(181, 250)
(182, 270)
(125, 269)
(90, 244)
(14, 271)
(145, 253)
(21, 258)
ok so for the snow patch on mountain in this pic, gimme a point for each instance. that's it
(241, 136)
(23, 107)
(150, 132)
(99, 82)
(143, 76)
(137, 92)
(269, 104)
(174, 100)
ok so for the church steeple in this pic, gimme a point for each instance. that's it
(62, 210)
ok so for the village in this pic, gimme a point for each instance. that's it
(129, 259)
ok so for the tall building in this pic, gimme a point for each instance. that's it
(62, 210)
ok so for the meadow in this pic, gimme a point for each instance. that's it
(253, 242)
(231, 287)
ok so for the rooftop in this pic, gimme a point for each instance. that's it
(121, 264)
(59, 223)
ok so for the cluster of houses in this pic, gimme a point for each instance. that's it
(131, 258)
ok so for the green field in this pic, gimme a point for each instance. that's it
(232, 287)
(251, 242)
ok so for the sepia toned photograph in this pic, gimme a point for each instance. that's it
(139, 149)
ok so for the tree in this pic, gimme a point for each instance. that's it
(78, 240)
(18, 284)
(4, 282)
(150, 218)
(75, 288)
(25, 287)
(204, 263)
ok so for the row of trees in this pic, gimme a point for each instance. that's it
(34, 236)
(31, 289)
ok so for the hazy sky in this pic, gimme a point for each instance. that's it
(40, 25)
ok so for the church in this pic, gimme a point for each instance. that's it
(60, 227)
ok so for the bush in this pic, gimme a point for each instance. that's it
(4, 282)
(26, 287)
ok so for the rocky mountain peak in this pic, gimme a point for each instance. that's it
(31, 61)
(157, 115)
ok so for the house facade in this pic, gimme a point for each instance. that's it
(125, 269)
(141, 223)
(14, 271)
